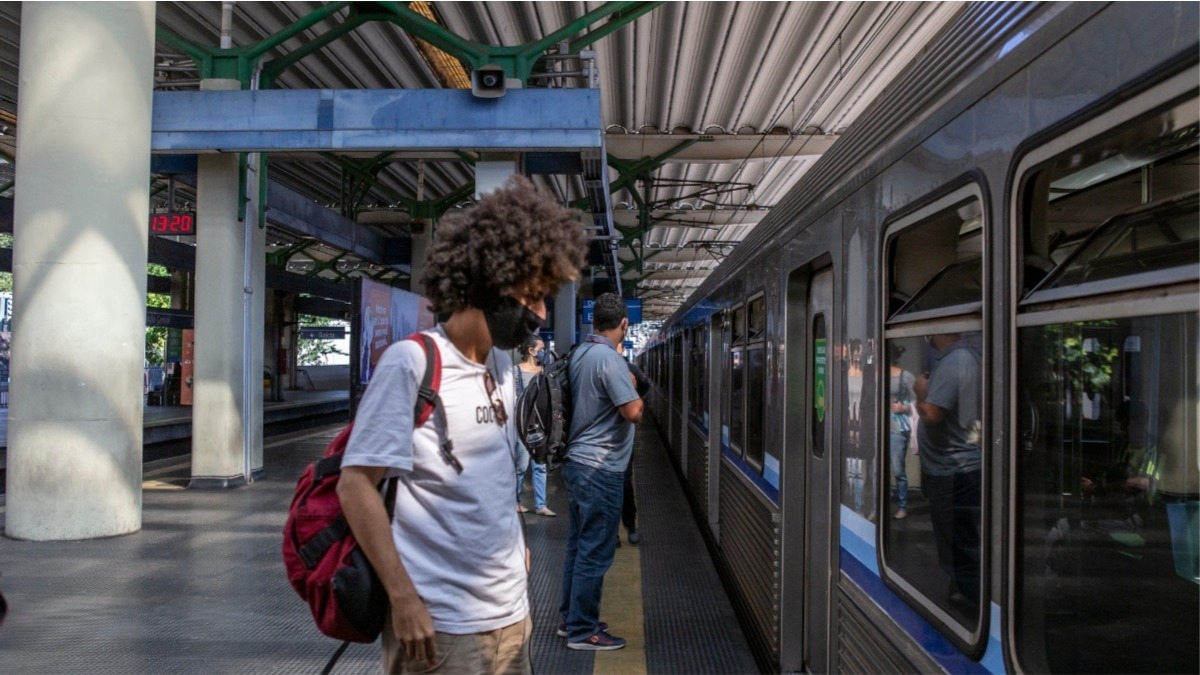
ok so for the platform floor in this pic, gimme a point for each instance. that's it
(201, 589)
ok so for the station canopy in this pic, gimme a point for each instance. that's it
(712, 111)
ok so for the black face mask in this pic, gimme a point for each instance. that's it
(510, 323)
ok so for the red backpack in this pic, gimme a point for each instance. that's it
(324, 563)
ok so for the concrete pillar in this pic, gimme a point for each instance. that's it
(230, 286)
(254, 317)
(79, 266)
(565, 316)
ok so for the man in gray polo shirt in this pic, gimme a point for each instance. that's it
(606, 406)
(949, 402)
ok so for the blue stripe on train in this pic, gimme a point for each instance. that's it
(753, 474)
(859, 562)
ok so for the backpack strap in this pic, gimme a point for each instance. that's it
(430, 403)
(427, 393)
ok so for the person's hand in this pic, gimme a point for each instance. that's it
(413, 628)
(899, 408)
(921, 386)
(1087, 486)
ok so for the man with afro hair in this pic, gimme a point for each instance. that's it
(452, 555)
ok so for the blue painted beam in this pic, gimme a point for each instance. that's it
(365, 119)
(297, 213)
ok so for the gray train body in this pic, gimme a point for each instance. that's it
(963, 206)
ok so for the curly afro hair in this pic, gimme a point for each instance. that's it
(516, 239)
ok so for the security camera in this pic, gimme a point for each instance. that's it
(488, 81)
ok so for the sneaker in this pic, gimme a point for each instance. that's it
(901, 514)
(562, 628)
(634, 537)
(521, 508)
(544, 511)
(598, 642)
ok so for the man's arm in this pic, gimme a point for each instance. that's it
(928, 412)
(632, 411)
(370, 523)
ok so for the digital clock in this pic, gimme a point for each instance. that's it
(173, 222)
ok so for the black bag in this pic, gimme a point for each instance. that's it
(544, 413)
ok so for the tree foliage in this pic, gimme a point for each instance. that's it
(156, 336)
(316, 352)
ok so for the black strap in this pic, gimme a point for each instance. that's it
(328, 466)
(334, 659)
(316, 548)
(319, 545)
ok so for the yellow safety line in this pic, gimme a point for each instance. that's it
(621, 607)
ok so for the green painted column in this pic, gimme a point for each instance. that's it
(79, 269)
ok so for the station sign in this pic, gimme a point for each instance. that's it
(322, 332)
(633, 308)
(168, 318)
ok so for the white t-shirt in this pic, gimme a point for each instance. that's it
(458, 535)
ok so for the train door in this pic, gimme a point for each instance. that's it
(809, 517)
(819, 460)
(717, 347)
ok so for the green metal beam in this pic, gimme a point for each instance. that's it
(516, 61)
(330, 264)
(633, 170)
(617, 21)
(280, 258)
(414, 23)
(275, 67)
(238, 63)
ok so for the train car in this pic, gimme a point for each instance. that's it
(985, 297)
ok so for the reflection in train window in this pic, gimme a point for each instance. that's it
(737, 388)
(727, 368)
(1107, 469)
(677, 371)
(932, 450)
(698, 376)
(755, 381)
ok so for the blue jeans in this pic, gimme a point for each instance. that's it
(524, 459)
(594, 505)
(897, 450)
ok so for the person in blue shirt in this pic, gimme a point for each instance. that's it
(606, 406)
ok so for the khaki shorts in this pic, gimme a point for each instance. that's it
(504, 650)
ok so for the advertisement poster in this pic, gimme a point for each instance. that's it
(387, 315)
(186, 366)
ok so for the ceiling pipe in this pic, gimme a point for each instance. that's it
(226, 25)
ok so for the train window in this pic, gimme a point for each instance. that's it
(737, 381)
(1107, 469)
(677, 370)
(726, 367)
(756, 381)
(932, 545)
(699, 377)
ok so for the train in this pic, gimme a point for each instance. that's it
(982, 301)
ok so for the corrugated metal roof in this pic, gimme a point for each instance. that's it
(761, 87)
